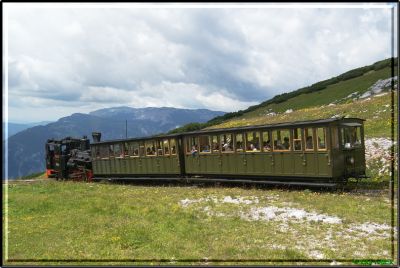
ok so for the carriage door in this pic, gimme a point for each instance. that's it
(192, 160)
(298, 152)
(323, 157)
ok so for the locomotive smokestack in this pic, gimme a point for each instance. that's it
(96, 136)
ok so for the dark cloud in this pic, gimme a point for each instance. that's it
(221, 59)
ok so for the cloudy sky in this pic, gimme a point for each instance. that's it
(71, 58)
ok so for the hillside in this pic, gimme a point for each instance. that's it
(14, 128)
(336, 90)
(335, 93)
(26, 148)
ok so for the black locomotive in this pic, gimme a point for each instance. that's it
(69, 158)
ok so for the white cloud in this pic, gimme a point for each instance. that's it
(220, 59)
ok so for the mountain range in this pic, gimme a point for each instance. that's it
(26, 152)
(14, 128)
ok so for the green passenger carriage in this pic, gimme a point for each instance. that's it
(319, 151)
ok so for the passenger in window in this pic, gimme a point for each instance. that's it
(173, 149)
(252, 147)
(267, 146)
(297, 145)
(194, 150)
(226, 147)
(286, 144)
(239, 145)
(215, 146)
(279, 145)
(206, 149)
(309, 143)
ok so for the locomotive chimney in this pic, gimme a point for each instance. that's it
(96, 136)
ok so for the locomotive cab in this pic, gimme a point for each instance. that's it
(50, 159)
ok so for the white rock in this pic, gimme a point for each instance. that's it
(366, 94)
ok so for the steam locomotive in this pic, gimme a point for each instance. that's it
(69, 158)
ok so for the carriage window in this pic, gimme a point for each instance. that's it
(191, 145)
(308, 133)
(204, 142)
(166, 147)
(95, 152)
(150, 148)
(118, 150)
(126, 152)
(239, 142)
(134, 149)
(104, 151)
(159, 147)
(321, 138)
(335, 137)
(281, 140)
(111, 150)
(253, 141)
(142, 148)
(297, 139)
(173, 146)
(351, 137)
(266, 141)
(226, 143)
(215, 144)
(357, 136)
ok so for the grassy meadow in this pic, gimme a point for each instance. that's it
(67, 221)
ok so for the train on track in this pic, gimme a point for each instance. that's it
(324, 152)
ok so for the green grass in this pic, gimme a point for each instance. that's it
(67, 220)
(34, 176)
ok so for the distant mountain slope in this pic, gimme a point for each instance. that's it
(14, 128)
(164, 116)
(26, 148)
